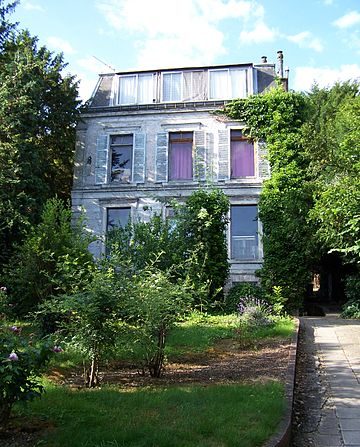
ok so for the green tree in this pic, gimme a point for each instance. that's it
(6, 27)
(38, 113)
(53, 259)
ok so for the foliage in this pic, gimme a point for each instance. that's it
(38, 113)
(6, 27)
(351, 309)
(88, 318)
(277, 116)
(143, 243)
(192, 244)
(310, 205)
(53, 259)
(21, 362)
(154, 305)
(334, 130)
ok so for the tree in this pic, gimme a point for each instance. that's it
(6, 27)
(38, 113)
(53, 259)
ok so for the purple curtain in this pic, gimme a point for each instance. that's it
(180, 161)
(242, 159)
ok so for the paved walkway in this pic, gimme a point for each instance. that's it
(337, 347)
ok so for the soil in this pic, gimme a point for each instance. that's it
(227, 362)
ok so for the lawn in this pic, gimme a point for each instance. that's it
(160, 413)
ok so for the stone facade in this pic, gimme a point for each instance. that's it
(139, 125)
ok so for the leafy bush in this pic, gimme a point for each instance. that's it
(154, 305)
(21, 362)
(351, 308)
(89, 319)
(53, 259)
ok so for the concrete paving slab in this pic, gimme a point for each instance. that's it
(351, 437)
(337, 346)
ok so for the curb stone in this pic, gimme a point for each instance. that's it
(282, 437)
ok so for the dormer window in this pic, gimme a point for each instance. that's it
(137, 89)
(228, 83)
(172, 87)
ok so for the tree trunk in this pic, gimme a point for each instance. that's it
(157, 363)
(94, 372)
(5, 410)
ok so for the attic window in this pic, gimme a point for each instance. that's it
(136, 89)
(228, 83)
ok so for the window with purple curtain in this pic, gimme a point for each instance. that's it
(180, 156)
(242, 156)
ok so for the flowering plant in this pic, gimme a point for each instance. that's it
(21, 361)
(254, 311)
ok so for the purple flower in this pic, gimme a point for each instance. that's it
(15, 329)
(57, 349)
(13, 357)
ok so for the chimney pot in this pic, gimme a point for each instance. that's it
(280, 58)
(264, 59)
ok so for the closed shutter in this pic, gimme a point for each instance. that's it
(199, 155)
(101, 162)
(162, 157)
(223, 155)
(210, 157)
(139, 158)
(263, 162)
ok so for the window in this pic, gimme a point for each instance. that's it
(242, 156)
(172, 87)
(136, 89)
(244, 233)
(121, 149)
(180, 156)
(227, 83)
(117, 217)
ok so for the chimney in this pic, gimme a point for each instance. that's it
(264, 59)
(280, 60)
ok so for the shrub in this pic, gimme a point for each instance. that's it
(52, 260)
(89, 319)
(155, 304)
(254, 311)
(351, 309)
(21, 362)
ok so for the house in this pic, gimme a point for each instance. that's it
(153, 134)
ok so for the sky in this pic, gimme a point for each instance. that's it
(320, 39)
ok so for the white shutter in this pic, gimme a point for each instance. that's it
(101, 161)
(200, 155)
(223, 155)
(139, 157)
(162, 157)
(263, 162)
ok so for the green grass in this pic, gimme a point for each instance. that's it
(218, 416)
(176, 416)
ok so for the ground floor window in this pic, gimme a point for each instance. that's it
(244, 232)
(117, 217)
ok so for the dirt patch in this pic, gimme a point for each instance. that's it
(227, 362)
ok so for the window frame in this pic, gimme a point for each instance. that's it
(258, 248)
(245, 139)
(164, 73)
(180, 140)
(112, 208)
(136, 93)
(228, 93)
(110, 169)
